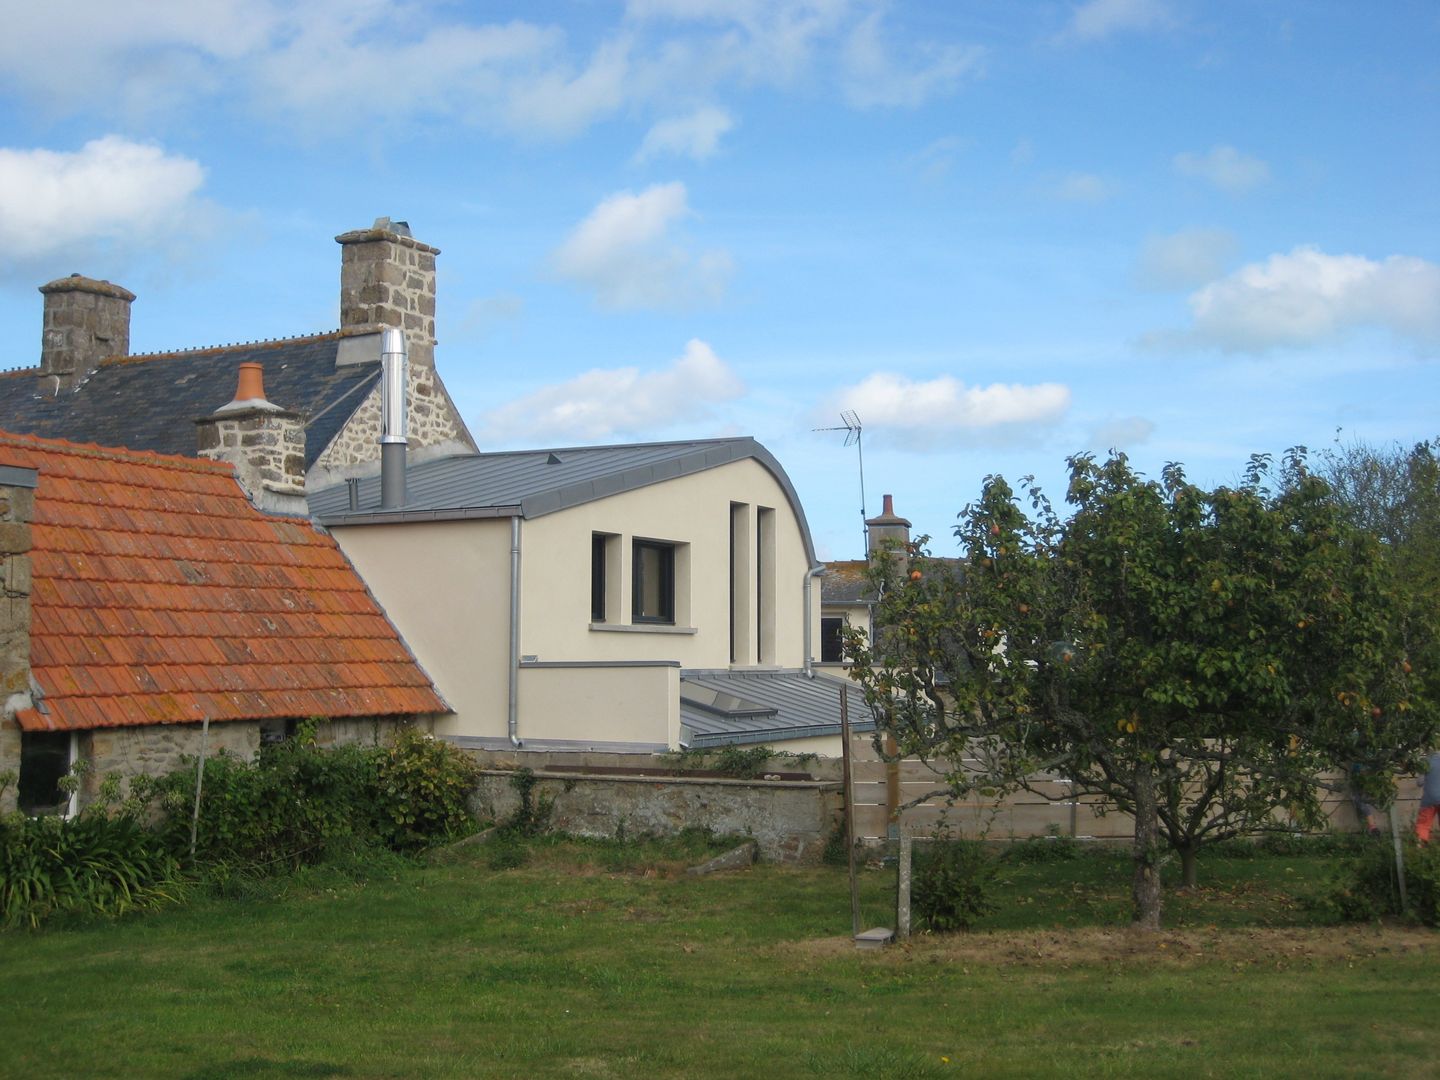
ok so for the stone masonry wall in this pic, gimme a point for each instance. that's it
(389, 279)
(432, 422)
(790, 821)
(85, 321)
(163, 748)
(17, 506)
(266, 448)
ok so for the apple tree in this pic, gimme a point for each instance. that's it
(1194, 658)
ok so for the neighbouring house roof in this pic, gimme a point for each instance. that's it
(723, 707)
(845, 582)
(147, 402)
(161, 595)
(532, 483)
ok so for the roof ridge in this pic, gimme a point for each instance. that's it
(319, 335)
(194, 350)
(95, 451)
(611, 446)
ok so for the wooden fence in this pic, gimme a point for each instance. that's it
(881, 788)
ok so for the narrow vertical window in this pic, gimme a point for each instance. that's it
(597, 577)
(765, 608)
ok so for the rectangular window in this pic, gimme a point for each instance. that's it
(597, 577)
(654, 597)
(832, 649)
(44, 762)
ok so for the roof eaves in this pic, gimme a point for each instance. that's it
(402, 517)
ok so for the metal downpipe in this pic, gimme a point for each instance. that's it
(810, 576)
(513, 704)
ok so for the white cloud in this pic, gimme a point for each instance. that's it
(696, 135)
(1122, 432)
(937, 159)
(922, 414)
(876, 78)
(1083, 187)
(111, 192)
(602, 403)
(337, 66)
(1307, 296)
(1224, 167)
(624, 252)
(1099, 19)
(1185, 259)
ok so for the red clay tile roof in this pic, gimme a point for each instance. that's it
(161, 595)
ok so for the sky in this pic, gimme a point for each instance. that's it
(999, 233)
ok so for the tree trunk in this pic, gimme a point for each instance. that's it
(1189, 866)
(1145, 887)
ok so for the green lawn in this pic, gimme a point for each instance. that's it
(596, 961)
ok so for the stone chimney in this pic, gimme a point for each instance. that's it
(17, 507)
(85, 321)
(887, 526)
(387, 278)
(265, 444)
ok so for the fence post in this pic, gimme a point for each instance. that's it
(199, 781)
(1399, 855)
(849, 810)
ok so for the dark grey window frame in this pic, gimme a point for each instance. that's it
(666, 592)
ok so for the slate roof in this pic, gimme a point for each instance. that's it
(148, 402)
(532, 483)
(161, 595)
(722, 707)
(844, 582)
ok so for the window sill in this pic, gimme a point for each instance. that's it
(641, 628)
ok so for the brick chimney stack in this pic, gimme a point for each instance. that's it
(265, 444)
(887, 526)
(85, 321)
(387, 278)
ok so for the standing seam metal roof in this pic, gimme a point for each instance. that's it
(533, 483)
(800, 707)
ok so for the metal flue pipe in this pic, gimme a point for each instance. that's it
(394, 379)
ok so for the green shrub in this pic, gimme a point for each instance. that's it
(424, 789)
(93, 864)
(532, 814)
(297, 802)
(951, 883)
(1052, 847)
(1366, 887)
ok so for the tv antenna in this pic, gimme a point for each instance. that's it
(854, 436)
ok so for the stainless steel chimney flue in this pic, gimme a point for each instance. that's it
(394, 378)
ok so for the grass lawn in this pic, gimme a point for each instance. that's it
(593, 960)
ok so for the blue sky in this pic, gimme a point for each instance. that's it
(1000, 232)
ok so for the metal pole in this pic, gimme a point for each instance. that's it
(199, 781)
(1399, 856)
(849, 809)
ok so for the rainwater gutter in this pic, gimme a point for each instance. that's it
(810, 576)
(513, 702)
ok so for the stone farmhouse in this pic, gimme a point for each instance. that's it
(144, 596)
(627, 598)
(88, 388)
